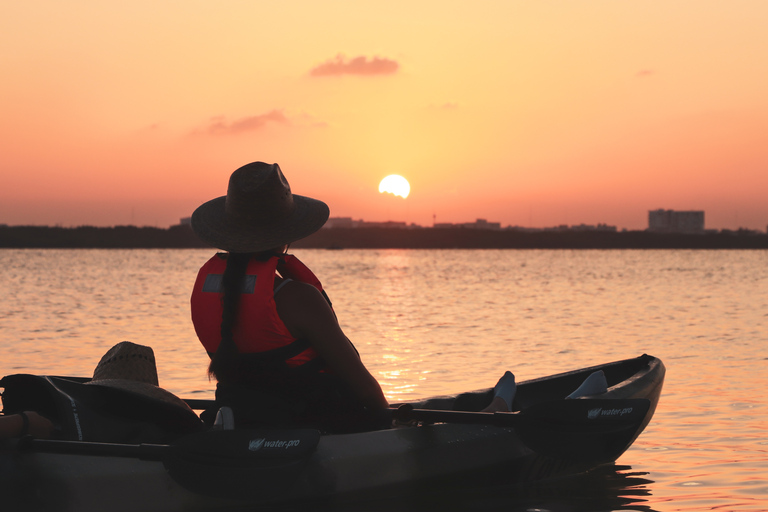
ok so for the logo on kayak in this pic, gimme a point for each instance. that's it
(255, 445)
(599, 412)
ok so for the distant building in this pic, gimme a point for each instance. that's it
(340, 222)
(185, 221)
(589, 227)
(564, 228)
(482, 224)
(599, 227)
(478, 224)
(387, 224)
(671, 221)
(349, 222)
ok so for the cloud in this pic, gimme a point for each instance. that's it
(220, 126)
(644, 73)
(357, 66)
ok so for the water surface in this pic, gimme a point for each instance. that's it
(444, 321)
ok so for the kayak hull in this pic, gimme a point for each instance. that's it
(343, 468)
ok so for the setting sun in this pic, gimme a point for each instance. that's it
(395, 184)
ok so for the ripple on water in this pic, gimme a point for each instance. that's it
(431, 322)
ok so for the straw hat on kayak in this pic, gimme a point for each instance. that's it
(131, 367)
(258, 213)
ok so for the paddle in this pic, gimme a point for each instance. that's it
(598, 429)
(589, 412)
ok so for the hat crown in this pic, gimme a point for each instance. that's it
(258, 213)
(258, 192)
(128, 361)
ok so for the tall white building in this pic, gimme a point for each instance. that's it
(670, 221)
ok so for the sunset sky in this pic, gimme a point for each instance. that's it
(534, 113)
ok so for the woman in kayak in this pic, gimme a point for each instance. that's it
(276, 347)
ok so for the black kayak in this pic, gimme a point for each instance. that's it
(546, 436)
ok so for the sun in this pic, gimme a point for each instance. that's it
(395, 184)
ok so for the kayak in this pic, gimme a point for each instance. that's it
(434, 446)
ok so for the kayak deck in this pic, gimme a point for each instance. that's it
(349, 466)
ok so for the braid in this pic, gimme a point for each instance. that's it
(224, 362)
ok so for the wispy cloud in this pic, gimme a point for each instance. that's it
(644, 73)
(356, 66)
(219, 125)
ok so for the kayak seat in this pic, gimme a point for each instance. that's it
(595, 384)
(225, 419)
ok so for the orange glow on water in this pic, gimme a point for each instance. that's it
(444, 321)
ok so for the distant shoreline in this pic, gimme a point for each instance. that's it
(182, 237)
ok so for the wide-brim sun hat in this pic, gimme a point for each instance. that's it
(258, 213)
(131, 367)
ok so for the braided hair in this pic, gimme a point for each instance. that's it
(225, 362)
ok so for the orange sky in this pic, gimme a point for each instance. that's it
(525, 113)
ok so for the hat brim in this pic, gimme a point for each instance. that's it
(211, 225)
(146, 390)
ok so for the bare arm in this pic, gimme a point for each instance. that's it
(307, 315)
(15, 426)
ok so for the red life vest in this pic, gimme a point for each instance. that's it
(259, 328)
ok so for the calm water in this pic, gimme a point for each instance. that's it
(444, 321)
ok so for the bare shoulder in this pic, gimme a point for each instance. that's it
(304, 310)
(296, 292)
